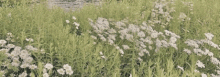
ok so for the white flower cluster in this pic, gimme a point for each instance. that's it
(20, 57)
(66, 68)
(74, 23)
(162, 10)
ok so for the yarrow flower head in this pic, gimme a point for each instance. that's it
(3, 42)
(45, 75)
(69, 71)
(209, 36)
(66, 66)
(61, 71)
(48, 66)
(200, 64)
(32, 67)
(74, 17)
(67, 21)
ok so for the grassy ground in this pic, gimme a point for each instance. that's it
(180, 38)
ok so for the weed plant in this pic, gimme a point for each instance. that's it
(119, 38)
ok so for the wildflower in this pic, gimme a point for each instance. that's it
(111, 42)
(94, 37)
(182, 16)
(4, 50)
(129, 37)
(13, 54)
(125, 46)
(100, 53)
(150, 47)
(204, 75)
(69, 71)
(103, 57)
(28, 59)
(215, 60)
(29, 39)
(32, 67)
(200, 64)
(121, 51)
(112, 36)
(24, 74)
(198, 51)
(173, 40)
(196, 70)
(141, 34)
(74, 17)
(111, 30)
(44, 70)
(210, 54)
(17, 48)
(29, 47)
(48, 66)
(3, 42)
(133, 28)
(45, 75)
(10, 46)
(66, 66)
(158, 43)
(67, 21)
(154, 35)
(15, 63)
(181, 68)
(191, 43)
(173, 45)
(187, 51)
(141, 54)
(140, 59)
(61, 71)
(24, 65)
(164, 43)
(76, 24)
(209, 36)
(130, 75)
(119, 25)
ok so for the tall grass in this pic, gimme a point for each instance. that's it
(91, 47)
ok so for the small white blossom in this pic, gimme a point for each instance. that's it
(3, 42)
(125, 46)
(141, 34)
(209, 36)
(77, 24)
(66, 66)
(32, 67)
(67, 21)
(74, 17)
(215, 60)
(61, 71)
(69, 71)
(204, 75)
(24, 65)
(100, 53)
(48, 66)
(187, 51)
(45, 75)
(44, 70)
(200, 64)
(121, 51)
(181, 68)
(24, 74)
(10, 46)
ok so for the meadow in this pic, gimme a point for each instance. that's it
(120, 38)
